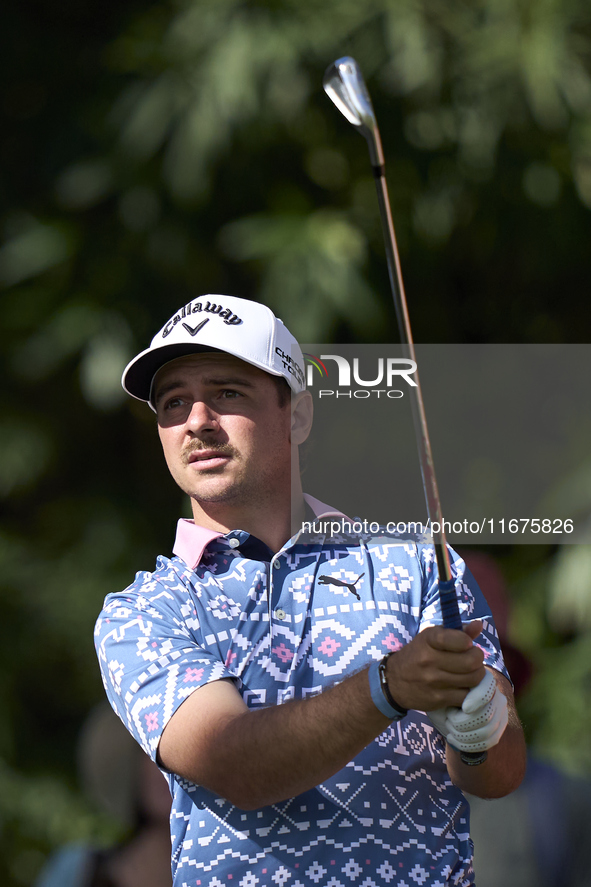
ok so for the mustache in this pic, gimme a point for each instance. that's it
(198, 446)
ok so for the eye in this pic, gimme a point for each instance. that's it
(172, 403)
(230, 394)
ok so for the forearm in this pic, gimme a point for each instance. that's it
(255, 758)
(259, 757)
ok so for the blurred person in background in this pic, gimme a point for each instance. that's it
(122, 781)
(539, 835)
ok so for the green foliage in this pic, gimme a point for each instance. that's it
(48, 811)
(155, 151)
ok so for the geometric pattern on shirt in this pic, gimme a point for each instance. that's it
(391, 816)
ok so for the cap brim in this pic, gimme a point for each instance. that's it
(138, 375)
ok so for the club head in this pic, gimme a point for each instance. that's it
(344, 85)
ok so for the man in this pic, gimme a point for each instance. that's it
(289, 712)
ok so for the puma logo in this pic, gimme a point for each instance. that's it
(193, 330)
(328, 580)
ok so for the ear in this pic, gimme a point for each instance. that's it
(302, 412)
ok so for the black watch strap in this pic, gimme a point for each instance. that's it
(385, 689)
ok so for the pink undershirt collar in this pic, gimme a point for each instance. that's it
(192, 540)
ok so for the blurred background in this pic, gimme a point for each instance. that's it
(151, 152)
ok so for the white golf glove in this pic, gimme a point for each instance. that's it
(479, 723)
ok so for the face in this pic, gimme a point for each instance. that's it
(225, 437)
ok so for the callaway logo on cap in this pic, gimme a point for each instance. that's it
(248, 330)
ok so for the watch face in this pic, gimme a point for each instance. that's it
(472, 759)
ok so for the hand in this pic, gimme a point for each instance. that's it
(479, 723)
(437, 668)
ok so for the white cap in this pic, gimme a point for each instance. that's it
(248, 330)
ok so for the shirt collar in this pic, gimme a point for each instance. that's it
(192, 540)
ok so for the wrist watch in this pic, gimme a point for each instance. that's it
(380, 692)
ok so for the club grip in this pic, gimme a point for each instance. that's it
(450, 611)
(451, 619)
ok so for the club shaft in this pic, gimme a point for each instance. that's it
(447, 593)
(416, 397)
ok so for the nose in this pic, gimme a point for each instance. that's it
(202, 418)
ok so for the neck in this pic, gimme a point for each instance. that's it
(273, 522)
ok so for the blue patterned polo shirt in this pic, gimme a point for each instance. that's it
(225, 607)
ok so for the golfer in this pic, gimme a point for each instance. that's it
(298, 690)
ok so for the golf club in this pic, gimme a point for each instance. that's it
(345, 86)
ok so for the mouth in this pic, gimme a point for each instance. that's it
(205, 460)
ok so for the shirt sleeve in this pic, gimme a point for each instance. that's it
(151, 652)
(471, 602)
